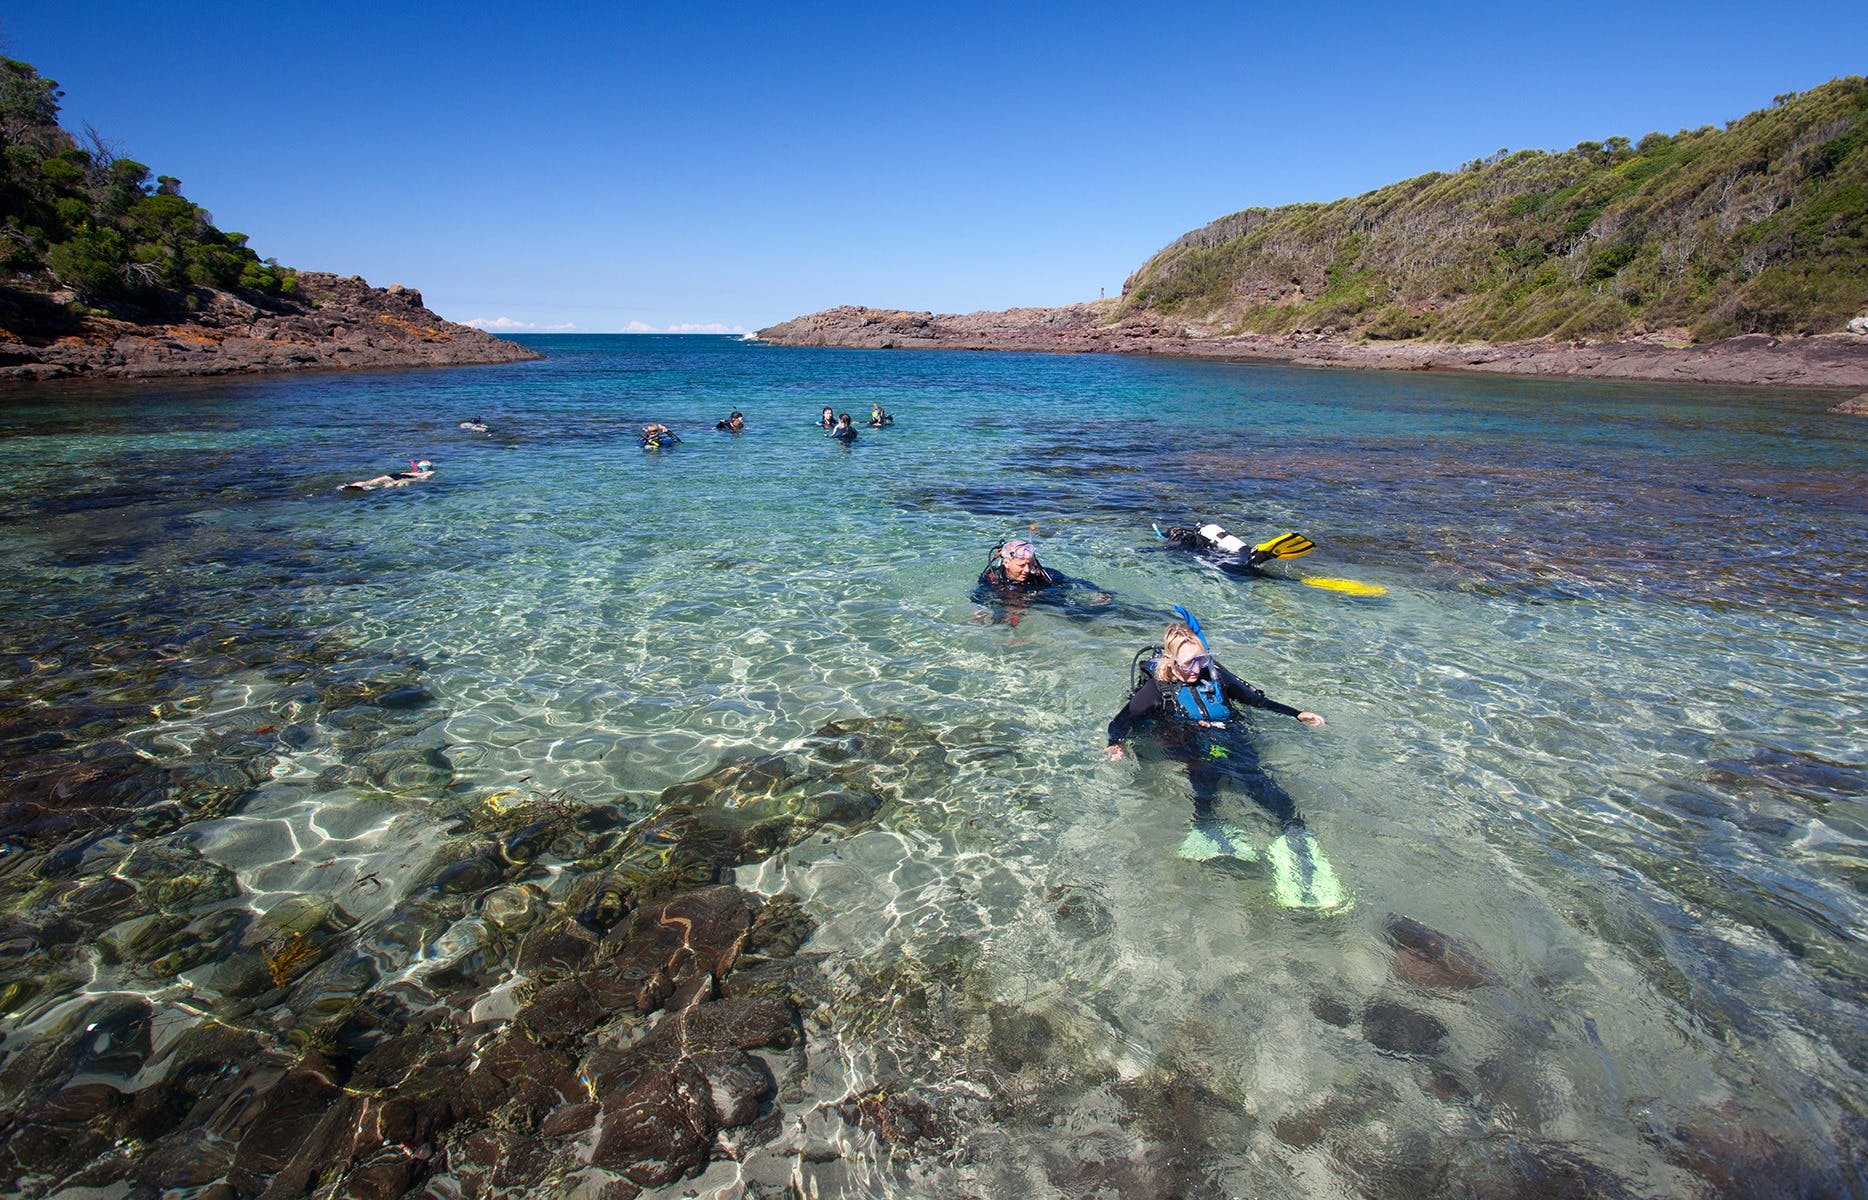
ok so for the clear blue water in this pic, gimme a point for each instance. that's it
(1604, 729)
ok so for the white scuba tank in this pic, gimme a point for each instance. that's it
(1219, 539)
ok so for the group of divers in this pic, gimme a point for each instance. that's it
(1179, 691)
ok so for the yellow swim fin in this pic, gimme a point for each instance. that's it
(1350, 586)
(1285, 545)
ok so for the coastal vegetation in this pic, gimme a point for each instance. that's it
(1759, 227)
(109, 273)
(78, 217)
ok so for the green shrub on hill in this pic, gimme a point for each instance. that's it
(1761, 227)
(95, 223)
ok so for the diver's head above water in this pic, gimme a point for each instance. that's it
(1184, 656)
(1018, 557)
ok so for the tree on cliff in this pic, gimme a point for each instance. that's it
(92, 221)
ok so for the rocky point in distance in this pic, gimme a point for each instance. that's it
(1724, 256)
(331, 322)
(107, 270)
(1837, 360)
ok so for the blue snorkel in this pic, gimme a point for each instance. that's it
(1202, 702)
(1193, 623)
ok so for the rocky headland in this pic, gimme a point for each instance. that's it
(331, 322)
(1735, 255)
(1835, 360)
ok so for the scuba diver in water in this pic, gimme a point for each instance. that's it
(418, 471)
(656, 436)
(1234, 555)
(733, 424)
(1188, 695)
(879, 416)
(1014, 577)
(844, 431)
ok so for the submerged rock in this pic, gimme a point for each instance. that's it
(745, 810)
(479, 1028)
(1426, 958)
(896, 1119)
(382, 1095)
(1401, 1030)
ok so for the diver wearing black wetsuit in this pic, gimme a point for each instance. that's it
(1187, 703)
(1004, 592)
(1149, 698)
(1190, 693)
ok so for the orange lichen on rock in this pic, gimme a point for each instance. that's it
(195, 336)
(410, 327)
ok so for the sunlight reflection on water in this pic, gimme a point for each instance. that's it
(1620, 636)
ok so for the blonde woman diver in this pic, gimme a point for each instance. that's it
(1187, 697)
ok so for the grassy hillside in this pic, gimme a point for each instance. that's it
(1760, 227)
(92, 222)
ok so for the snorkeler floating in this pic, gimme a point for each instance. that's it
(1184, 691)
(475, 425)
(419, 469)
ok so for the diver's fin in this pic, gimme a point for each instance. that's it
(1301, 874)
(1352, 587)
(1216, 839)
(1285, 545)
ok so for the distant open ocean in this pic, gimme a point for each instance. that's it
(1604, 731)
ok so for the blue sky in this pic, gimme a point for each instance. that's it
(613, 167)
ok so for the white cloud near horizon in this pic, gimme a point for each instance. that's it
(508, 325)
(683, 327)
(710, 327)
(504, 324)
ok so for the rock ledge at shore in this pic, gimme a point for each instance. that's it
(335, 322)
(1837, 360)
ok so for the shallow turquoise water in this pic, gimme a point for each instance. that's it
(1605, 726)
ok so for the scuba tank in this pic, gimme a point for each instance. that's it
(1226, 543)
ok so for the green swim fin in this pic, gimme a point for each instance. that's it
(1302, 875)
(1216, 839)
(1285, 545)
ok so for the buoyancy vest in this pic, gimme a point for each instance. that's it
(1201, 701)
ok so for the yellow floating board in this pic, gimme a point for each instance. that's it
(1351, 586)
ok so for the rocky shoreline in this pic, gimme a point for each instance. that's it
(334, 323)
(1838, 361)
